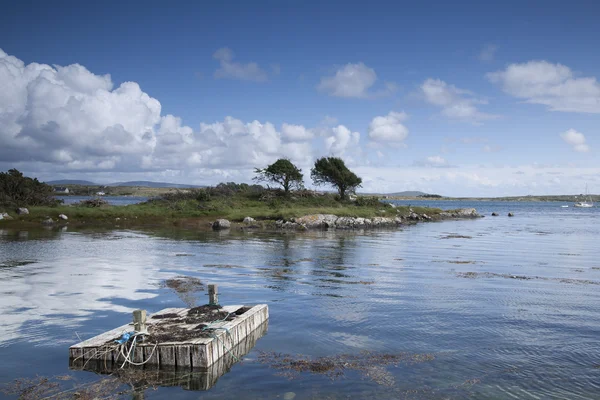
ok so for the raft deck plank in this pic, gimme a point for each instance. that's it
(194, 352)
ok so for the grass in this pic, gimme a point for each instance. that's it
(195, 206)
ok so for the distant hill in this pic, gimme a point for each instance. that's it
(406, 194)
(71, 182)
(154, 184)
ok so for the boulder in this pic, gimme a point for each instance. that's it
(317, 221)
(511, 214)
(22, 211)
(6, 217)
(467, 212)
(221, 224)
(249, 220)
(494, 214)
(48, 221)
(63, 217)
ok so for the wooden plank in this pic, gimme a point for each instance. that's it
(198, 354)
(101, 339)
(166, 355)
(183, 356)
(151, 354)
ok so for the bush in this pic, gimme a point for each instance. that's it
(17, 190)
(369, 202)
(92, 203)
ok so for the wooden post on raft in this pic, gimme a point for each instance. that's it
(139, 320)
(213, 295)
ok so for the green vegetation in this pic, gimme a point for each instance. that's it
(281, 172)
(333, 171)
(17, 190)
(197, 207)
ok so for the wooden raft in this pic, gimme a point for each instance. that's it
(197, 353)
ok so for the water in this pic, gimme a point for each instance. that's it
(508, 307)
(113, 200)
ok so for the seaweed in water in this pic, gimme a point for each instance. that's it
(185, 287)
(369, 365)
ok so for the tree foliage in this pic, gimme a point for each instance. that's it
(17, 190)
(333, 171)
(281, 172)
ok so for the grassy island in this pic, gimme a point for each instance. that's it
(229, 201)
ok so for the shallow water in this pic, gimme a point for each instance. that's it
(508, 307)
(112, 200)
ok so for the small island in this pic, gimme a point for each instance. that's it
(26, 201)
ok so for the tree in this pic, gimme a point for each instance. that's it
(333, 171)
(19, 190)
(281, 172)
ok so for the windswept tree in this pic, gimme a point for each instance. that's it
(333, 171)
(19, 190)
(281, 172)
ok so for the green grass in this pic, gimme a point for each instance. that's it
(234, 207)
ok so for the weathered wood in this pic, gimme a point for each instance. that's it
(213, 294)
(139, 320)
(201, 352)
(197, 378)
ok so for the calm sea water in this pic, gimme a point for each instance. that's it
(507, 307)
(113, 200)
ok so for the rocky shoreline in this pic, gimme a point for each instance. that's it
(330, 221)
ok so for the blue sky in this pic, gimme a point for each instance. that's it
(457, 98)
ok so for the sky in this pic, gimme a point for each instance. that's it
(459, 98)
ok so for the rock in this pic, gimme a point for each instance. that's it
(289, 396)
(1, 217)
(63, 217)
(494, 214)
(426, 217)
(117, 219)
(322, 221)
(511, 214)
(48, 221)
(221, 224)
(22, 211)
(249, 220)
(467, 212)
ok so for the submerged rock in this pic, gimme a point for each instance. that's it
(221, 224)
(511, 214)
(467, 212)
(22, 211)
(494, 214)
(48, 221)
(249, 220)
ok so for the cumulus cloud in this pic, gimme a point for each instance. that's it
(576, 140)
(231, 69)
(553, 85)
(354, 80)
(455, 103)
(389, 128)
(341, 140)
(74, 120)
(488, 52)
(296, 133)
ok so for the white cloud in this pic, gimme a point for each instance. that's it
(296, 133)
(491, 148)
(455, 103)
(432, 161)
(488, 52)
(69, 119)
(341, 140)
(235, 70)
(388, 128)
(354, 80)
(576, 140)
(553, 85)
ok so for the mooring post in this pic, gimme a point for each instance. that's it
(139, 320)
(213, 295)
